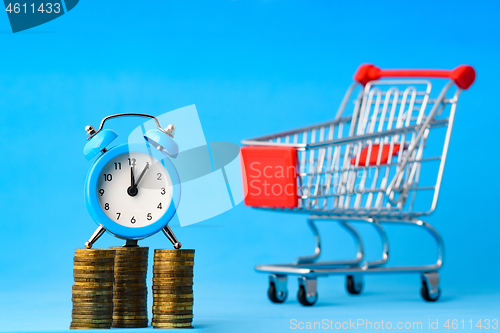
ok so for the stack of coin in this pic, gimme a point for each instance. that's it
(173, 288)
(92, 292)
(130, 293)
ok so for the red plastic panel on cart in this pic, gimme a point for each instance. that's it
(372, 159)
(270, 176)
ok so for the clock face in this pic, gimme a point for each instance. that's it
(134, 189)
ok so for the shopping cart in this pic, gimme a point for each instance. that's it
(382, 163)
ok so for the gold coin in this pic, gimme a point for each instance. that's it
(162, 263)
(118, 317)
(158, 316)
(88, 326)
(130, 312)
(172, 308)
(120, 325)
(92, 310)
(173, 280)
(130, 296)
(94, 259)
(171, 325)
(94, 284)
(173, 276)
(172, 293)
(87, 287)
(91, 320)
(183, 251)
(92, 316)
(170, 303)
(172, 320)
(130, 322)
(129, 287)
(139, 307)
(97, 292)
(161, 256)
(172, 312)
(91, 297)
(161, 296)
(94, 268)
(170, 287)
(126, 266)
(94, 279)
(92, 273)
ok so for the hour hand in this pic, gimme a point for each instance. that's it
(132, 190)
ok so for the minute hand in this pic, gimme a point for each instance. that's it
(141, 175)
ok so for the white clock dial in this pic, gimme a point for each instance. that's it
(134, 189)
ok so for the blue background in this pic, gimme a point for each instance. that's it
(251, 68)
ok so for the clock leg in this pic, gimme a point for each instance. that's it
(171, 237)
(95, 236)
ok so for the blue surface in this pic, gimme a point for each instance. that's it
(95, 210)
(251, 68)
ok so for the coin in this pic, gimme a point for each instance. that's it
(170, 303)
(92, 273)
(172, 325)
(173, 280)
(172, 292)
(170, 287)
(91, 320)
(172, 312)
(94, 284)
(88, 326)
(161, 296)
(96, 259)
(174, 250)
(120, 312)
(129, 325)
(173, 255)
(130, 317)
(86, 316)
(172, 308)
(159, 316)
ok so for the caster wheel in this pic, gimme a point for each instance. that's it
(426, 294)
(274, 296)
(303, 299)
(354, 284)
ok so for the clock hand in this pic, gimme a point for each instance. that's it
(141, 175)
(132, 190)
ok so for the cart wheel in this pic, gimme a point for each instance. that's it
(303, 299)
(354, 284)
(426, 294)
(274, 295)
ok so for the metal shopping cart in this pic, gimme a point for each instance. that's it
(383, 162)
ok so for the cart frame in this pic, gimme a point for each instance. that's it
(389, 200)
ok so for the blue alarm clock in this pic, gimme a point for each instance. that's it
(132, 190)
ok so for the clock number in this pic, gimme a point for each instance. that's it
(101, 191)
(108, 177)
(163, 191)
(150, 217)
(159, 206)
(106, 206)
(118, 166)
(131, 161)
(132, 220)
(118, 217)
(159, 176)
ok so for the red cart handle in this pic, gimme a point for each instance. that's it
(463, 75)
